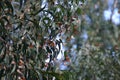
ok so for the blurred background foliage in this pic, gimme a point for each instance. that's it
(58, 40)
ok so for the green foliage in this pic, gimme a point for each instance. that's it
(97, 57)
(29, 34)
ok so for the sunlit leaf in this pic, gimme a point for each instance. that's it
(78, 11)
(13, 69)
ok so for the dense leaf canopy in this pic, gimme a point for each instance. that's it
(34, 32)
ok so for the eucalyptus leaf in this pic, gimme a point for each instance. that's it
(78, 11)
(21, 3)
(9, 5)
(13, 69)
(34, 14)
